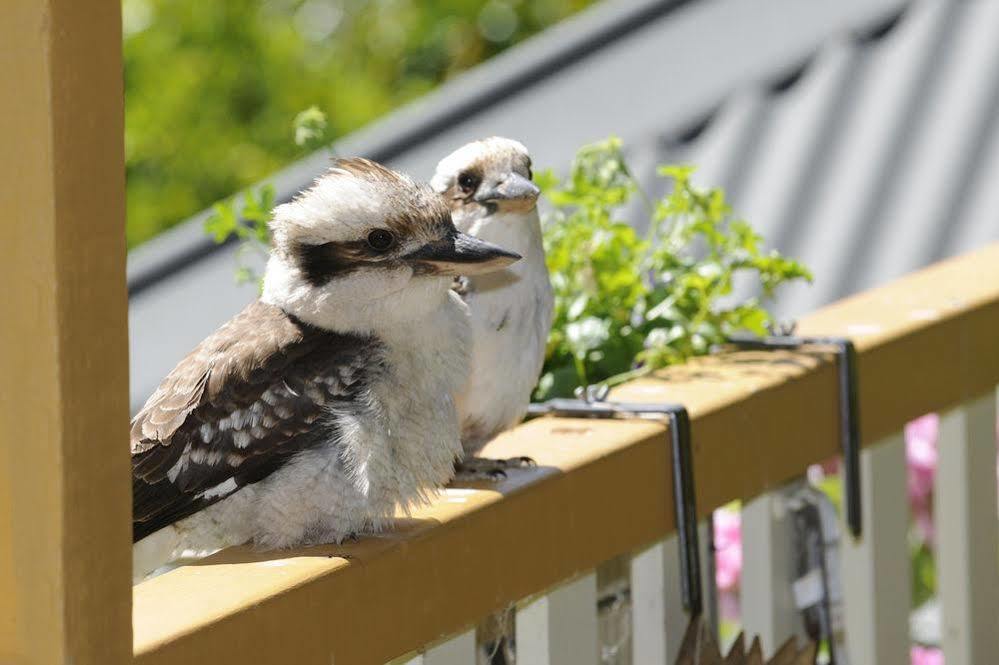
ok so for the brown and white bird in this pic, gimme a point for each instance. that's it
(487, 185)
(321, 408)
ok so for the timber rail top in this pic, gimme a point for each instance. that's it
(601, 488)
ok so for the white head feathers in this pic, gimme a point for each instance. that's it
(493, 153)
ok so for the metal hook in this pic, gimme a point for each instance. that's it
(849, 405)
(684, 497)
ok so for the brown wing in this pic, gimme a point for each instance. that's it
(232, 412)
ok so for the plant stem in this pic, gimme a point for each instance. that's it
(580, 370)
(638, 188)
(624, 377)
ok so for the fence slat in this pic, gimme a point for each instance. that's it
(709, 590)
(614, 611)
(560, 628)
(876, 578)
(766, 597)
(967, 542)
(658, 619)
(458, 650)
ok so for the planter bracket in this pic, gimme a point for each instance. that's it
(592, 404)
(849, 406)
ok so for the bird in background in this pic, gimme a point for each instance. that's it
(327, 404)
(487, 184)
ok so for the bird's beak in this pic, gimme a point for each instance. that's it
(460, 254)
(514, 192)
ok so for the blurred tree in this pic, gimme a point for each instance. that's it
(211, 88)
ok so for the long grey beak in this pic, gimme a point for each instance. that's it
(461, 254)
(514, 187)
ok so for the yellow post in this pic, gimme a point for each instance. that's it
(65, 593)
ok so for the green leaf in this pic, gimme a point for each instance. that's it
(222, 222)
(310, 128)
(546, 180)
(924, 575)
(245, 275)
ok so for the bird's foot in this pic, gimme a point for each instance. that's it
(485, 468)
(341, 555)
(318, 536)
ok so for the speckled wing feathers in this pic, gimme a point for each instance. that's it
(247, 399)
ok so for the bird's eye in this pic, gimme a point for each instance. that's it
(380, 240)
(468, 182)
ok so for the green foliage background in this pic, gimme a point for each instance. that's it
(211, 85)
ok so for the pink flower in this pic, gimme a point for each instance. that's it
(817, 472)
(728, 568)
(728, 548)
(921, 457)
(728, 606)
(728, 528)
(831, 466)
(926, 656)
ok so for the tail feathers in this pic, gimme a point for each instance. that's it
(153, 552)
(178, 544)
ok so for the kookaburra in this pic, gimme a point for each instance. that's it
(487, 185)
(328, 403)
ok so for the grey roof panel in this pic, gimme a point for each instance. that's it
(976, 219)
(908, 228)
(861, 153)
(718, 153)
(786, 151)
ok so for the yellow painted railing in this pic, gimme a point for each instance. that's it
(601, 489)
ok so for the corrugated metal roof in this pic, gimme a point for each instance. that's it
(876, 162)
(859, 136)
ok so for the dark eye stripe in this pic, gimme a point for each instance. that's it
(320, 263)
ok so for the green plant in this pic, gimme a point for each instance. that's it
(627, 304)
(247, 221)
(924, 573)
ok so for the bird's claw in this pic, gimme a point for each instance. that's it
(341, 555)
(521, 462)
(483, 468)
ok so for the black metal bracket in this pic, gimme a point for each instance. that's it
(684, 500)
(849, 408)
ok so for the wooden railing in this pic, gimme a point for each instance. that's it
(601, 492)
